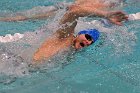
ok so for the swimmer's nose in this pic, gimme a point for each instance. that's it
(87, 42)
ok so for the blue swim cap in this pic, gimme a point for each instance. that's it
(92, 32)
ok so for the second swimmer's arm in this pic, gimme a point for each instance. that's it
(23, 18)
(16, 18)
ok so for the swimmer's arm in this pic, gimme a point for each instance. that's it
(45, 51)
(15, 18)
(69, 20)
(115, 17)
(75, 11)
(49, 48)
(23, 18)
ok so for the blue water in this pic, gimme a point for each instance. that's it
(100, 68)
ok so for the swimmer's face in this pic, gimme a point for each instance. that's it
(82, 40)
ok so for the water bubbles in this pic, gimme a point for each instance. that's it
(11, 64)
(4, 56)
(10, 38)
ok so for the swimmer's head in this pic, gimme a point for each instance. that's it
(86, 38)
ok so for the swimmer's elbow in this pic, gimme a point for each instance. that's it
(36, 58)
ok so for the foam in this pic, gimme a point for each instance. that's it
(134, 16)
(11, 38)
(37, 10)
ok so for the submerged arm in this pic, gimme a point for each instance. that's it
(23, 18)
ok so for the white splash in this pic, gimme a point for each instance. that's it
(11, 38)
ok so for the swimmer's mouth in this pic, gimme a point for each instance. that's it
(82, 44)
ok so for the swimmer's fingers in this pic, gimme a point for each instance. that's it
(122, 16)
(115, 21)
(119, 23)
(117, 17)
(120, 13)
(117, 13)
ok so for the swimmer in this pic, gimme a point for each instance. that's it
(64, 36)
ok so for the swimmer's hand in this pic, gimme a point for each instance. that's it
(117, 17)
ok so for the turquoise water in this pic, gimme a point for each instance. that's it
(105, 67)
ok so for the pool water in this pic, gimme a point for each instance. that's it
(111, 65)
